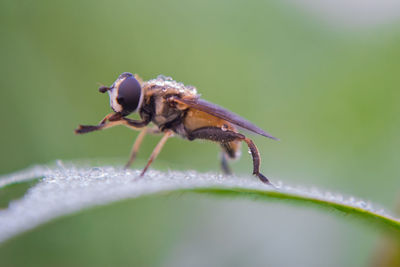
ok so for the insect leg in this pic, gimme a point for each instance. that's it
(230, 150)
(90, 128)
(111, 117)
(218, 135)
(135, 148)
(256, 161)
(224, 164)
(157, 150)
(114, 119)
(138, 142)
(82, 129)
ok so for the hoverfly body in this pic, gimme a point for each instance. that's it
(175, 109)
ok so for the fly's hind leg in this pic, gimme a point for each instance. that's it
(224, 137)
(224, 164)
(256, 160)
(230, 151)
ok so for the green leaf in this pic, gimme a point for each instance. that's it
(65, 190)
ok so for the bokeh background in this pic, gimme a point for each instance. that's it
(323, 76)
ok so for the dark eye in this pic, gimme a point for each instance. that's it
(129, 92)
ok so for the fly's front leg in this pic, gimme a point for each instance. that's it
(218, 135)
(113, 119)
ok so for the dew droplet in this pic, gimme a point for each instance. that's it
(361, 204)
(278, 185)
(60, 164)
(96, 172)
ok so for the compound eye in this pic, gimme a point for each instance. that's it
(129, 93)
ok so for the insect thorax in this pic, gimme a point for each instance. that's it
(163, 85)
(157, 91)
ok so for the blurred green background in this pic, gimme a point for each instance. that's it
(327, 86)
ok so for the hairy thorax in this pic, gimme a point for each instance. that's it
(166, 114)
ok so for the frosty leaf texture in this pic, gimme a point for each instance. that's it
(24, 175)
(64, 190)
